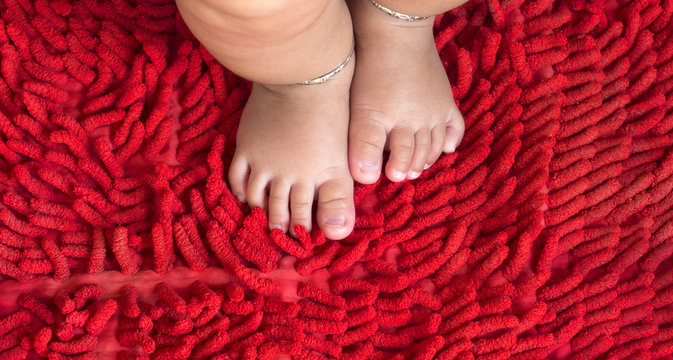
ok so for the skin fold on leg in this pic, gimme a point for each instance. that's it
(291, 145)
(272, 42)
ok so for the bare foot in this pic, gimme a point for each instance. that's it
(401, 98)
(291, 148)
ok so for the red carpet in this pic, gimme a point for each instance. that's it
(548, 234)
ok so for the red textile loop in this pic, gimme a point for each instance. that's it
(547, 234)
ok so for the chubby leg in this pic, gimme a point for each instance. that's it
(401, 98)
(291, 145)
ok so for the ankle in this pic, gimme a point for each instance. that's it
(371, 23)
(418, 8)
(338, 83)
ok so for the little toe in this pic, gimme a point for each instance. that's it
(401, 143)
(455, 128)
(301, 205)
(238, 176)
(336, 212)
(365, 150)
(256, 191)
(421, 149)
(279, 200)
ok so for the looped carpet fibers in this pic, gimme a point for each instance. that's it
(548, 234)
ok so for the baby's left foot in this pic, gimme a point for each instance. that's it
(401, 98)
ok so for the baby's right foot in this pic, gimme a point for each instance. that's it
(291, 147)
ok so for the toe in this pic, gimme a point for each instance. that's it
(401, 143)
(336, 212)
(421, 149)
(279, 199)
(238, 176)
(365, 150)
(455, 128)
(256, 192)
(301, 204)
(438, 134)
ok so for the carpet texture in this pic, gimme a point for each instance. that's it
(548, 234)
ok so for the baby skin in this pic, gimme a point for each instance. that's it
(301, 146)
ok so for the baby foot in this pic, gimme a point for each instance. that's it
(401, 98)
(291, 148)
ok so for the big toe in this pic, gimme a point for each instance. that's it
(455, 128)
(365, 149)
(336, 211)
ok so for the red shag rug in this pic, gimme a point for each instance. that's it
(548, 234)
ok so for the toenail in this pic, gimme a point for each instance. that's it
(452, 148)
(239, 197)
(277, 227)
(426, 167)
(369, 167)
(339, 221)
(414, 174)
(398, 175)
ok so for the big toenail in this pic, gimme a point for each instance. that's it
(414, 174)
(339, 221)
(369, 167)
